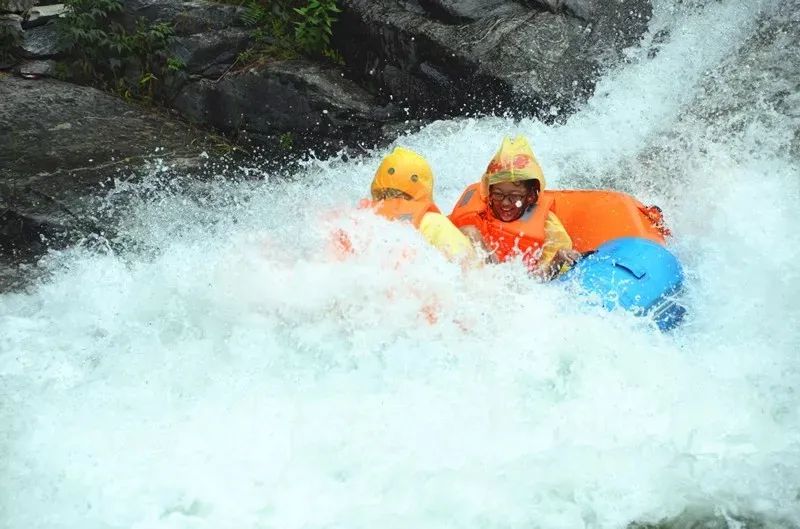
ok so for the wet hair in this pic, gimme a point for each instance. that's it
(532, 185)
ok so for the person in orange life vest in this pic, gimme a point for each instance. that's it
(402, 189)
(503, 214)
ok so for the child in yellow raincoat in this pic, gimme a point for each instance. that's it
(402, 190)
(503, 214)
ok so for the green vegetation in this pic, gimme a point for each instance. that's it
(286, 29)
(286, 141)
(174, 64)
(104, 53)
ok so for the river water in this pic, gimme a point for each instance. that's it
(215, 367)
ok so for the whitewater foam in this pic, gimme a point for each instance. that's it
(228, 370)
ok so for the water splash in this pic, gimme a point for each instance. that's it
(228, 370)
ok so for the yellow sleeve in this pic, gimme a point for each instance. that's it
(555, 238)
(442, 234)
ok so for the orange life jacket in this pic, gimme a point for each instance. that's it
(525, 235)
(400, 209)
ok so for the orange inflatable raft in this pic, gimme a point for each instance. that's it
(629, 265)
(593, 218)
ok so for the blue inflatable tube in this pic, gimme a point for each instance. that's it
(635, 274)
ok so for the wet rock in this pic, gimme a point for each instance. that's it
(508, 55)
(279, 102)
(15, 6)
(189, 17)
(303, 99)
(62, 142)
(464, 11)
(210, 54)
(40, 15)
(35, 69)
(28, 222)
(209, 36)
(61, 134)
(10, 40)
(41, 42)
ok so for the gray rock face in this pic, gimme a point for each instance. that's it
(41, 42)
(34, 69)
(209, 36)
(471, 55)
(40, 15)
(55, 131)
(210, 54)
(10, 40)
(59, 142)
(465, 11)
(16, 6)
(190, 17)
(302, 98)
(310, 102)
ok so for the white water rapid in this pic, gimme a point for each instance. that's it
(224, 372)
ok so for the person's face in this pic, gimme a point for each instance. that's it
(509, 200)
(389, 193)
